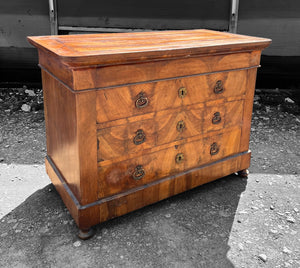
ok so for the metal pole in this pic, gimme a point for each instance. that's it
(234, 16)
(53, 17)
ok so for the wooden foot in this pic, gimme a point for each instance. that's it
(85, 234)
(243, 173)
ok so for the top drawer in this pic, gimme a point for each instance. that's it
(122, 102)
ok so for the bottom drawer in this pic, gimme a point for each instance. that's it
(132, 173)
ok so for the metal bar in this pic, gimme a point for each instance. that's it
(53, 17)
(99, 29)
(234, 16)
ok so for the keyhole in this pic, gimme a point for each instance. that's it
(180, 126)
(179, 158)
(182, 92)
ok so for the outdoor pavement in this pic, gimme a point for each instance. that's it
(231, 222)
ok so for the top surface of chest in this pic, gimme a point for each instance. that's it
(127, 47)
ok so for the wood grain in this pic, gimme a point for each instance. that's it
(61, 131)
(123, 203)
(127, 47)
(118, 176)
(100, 91)
(117, 141)
(162, 95)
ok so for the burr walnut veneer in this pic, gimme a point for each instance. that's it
(133, 118)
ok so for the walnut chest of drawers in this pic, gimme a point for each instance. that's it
(134, 118)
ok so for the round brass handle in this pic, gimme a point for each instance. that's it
(214, 148)
(140, 137)
(182, 92)
(180, 126)
(179, 158)
(219, 88)
(216, 118)
(138, 173)
(142, 101)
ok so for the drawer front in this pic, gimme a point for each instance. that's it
(166, 127)
(125, 175)
(122, 102)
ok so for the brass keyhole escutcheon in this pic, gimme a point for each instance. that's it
(216, 118)
(182, 92)
(214, 148)
(219, 88)
(180, 126)
(138, 173)
(179, 158)
(142, 100)
(140, 137)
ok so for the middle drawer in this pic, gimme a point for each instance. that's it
(166, 127)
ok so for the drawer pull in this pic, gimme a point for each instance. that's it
(180, 126)
(219, 87)
(214, 148)
(138, 173)
(216, 118)
(140, 137)
(142, 101)
(179, 158)
(182, 92)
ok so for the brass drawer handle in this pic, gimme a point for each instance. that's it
(214, 148)
(180, 126)
(216, 118)
(142, 100)
(138, 173)
(140, 137)
(219, 88)
(179, 158)
(182, 92)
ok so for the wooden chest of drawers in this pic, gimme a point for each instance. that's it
(134, 118)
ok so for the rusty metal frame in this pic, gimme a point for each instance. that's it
(53, 17)
(233, 16)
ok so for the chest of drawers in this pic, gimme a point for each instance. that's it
(134, 118)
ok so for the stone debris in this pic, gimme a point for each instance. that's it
(26, 108)
(290, 219)
(12, 221)
(77, 244)
(286, 251)
(240, 246)
(168, 215)
(289, 100)
(263, 257)
(30, 92)
(4, 234)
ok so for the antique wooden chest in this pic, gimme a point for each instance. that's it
(134, 118)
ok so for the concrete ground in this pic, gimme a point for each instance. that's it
(231, 222)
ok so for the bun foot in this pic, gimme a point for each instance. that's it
(85, 234)
(243, 173)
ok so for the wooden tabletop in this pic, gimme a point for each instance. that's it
(111, 48)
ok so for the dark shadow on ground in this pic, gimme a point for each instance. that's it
(189, 230)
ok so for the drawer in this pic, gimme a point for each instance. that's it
(132, 100)
(166, 127)
(125, 175)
